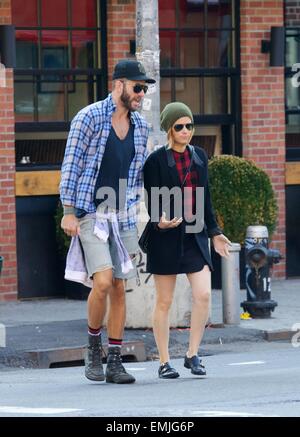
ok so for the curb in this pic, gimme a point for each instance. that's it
(280, 335)
(132, 351)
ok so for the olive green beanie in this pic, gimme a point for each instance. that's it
(172, 112)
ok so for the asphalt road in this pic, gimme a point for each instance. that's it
(262, 380)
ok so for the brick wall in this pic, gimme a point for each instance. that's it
(120, 30)
(8, 280)
(263, 114)
(292, 13)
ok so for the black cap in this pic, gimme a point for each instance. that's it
(132, 70)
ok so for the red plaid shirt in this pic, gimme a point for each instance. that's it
(182, 164)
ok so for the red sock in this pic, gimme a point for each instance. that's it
(114, 342)
(94, 332)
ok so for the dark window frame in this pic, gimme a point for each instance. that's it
(292, 153)
(94, 76)
(234, 73)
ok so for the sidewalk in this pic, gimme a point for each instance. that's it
(42, 332)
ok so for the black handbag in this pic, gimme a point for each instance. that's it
(145, 236)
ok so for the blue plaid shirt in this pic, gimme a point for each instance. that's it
(83, 155)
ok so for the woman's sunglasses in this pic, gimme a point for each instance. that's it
(179, 127)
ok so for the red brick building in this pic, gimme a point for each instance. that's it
(8, 284)
(211, 58)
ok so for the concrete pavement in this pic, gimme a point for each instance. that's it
(257, 382)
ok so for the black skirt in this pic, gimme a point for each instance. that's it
(191, 260)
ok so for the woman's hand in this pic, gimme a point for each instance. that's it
(168, 224)
(221, 245)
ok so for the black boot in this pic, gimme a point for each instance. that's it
(115, 371)
(93, 359)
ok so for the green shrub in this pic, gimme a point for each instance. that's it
(63, 241)
(242, 195)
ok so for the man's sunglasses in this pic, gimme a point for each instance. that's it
(139, 88)
(179, 127)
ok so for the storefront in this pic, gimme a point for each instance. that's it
(292, 111)
(211, 58)
(60, 67)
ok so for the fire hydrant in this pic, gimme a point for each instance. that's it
(259, 261)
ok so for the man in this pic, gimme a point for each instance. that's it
(106, 145)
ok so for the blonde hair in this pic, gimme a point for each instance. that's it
(170, 137)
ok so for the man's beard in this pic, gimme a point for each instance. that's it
(125, 99)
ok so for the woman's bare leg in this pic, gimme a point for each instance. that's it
(165, 285)
(201, 291)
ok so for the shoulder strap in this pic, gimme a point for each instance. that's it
(190, 166)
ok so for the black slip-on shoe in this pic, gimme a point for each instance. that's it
(167, 372)
(194, 363)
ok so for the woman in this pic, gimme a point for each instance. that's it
(172, 249)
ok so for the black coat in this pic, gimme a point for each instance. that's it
(166, 246)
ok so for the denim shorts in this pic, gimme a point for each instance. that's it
(100, 255)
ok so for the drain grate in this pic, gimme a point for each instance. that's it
(132, 351)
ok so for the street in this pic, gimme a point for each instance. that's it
(254, 380)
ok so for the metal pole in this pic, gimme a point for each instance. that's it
(147, 52)
(210, 298)
(231, 286)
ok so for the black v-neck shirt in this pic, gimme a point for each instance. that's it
(115, 165)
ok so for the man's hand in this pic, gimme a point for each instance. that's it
(168, 224)
(221, 245)
(70, 225)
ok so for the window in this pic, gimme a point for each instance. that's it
(199, 62)
(292, 93)
(60, 62)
